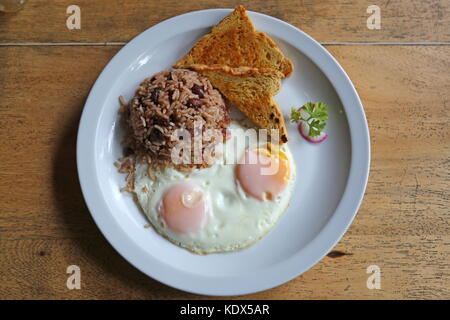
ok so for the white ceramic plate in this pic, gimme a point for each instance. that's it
(331, 176)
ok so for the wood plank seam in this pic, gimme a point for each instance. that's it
(326, 43)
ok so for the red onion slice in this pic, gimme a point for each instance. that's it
(303, 128)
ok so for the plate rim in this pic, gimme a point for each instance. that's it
(318, 247)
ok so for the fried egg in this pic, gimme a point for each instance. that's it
(226, 207)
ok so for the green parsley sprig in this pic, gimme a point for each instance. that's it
(316, 118)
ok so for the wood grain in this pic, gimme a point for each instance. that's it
(402, 226)
(329, 20)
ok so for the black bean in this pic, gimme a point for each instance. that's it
(173, 118)
(161, 121)
(155, 95)
(198, 90)
(156, 135)
(170, 96)
(194, 103)
(128, 151)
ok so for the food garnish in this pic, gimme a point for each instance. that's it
(312, 119)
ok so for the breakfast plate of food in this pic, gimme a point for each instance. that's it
(223, 152)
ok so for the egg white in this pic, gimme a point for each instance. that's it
(235, 220)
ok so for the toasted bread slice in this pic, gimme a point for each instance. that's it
(251, 90)
(234, 42)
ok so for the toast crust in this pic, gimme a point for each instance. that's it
(238, 71)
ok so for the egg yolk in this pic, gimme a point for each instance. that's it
(183, 208)
(263, 173)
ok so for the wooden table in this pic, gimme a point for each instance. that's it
(402, 73)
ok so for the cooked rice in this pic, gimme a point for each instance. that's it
(126, 165)
(168, 101)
